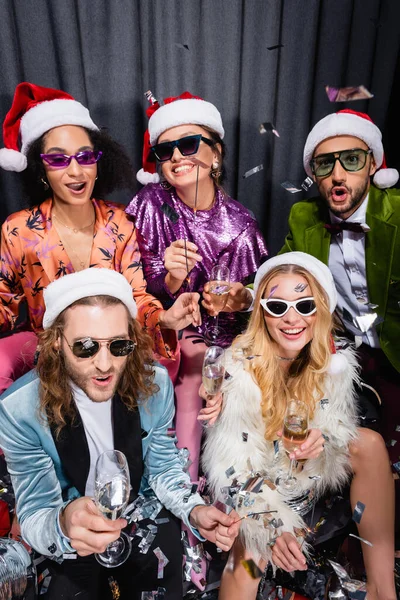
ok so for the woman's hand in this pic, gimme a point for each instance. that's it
(213, 407)
(310, 448)
(239, 298)
(287, 555)
(185, 311)
(176, 264)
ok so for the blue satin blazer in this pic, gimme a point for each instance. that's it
(42, 481)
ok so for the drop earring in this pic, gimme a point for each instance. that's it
(45, 184)
(215, 172)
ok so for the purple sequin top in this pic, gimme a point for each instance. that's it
(226, 234)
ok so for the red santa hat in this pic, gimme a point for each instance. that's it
(179, 110)
(356, 124)
(35, 110)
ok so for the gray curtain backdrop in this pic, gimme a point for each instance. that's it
(107, 53)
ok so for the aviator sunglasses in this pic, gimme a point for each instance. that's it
(277, 308)
(61, 161)
(89, 347)
(187, 145)
(351, 160)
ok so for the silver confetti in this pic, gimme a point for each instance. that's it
(358, 512)
(182, 46)
(245, 436)
(265, 127)
(300, 287)
(229, 472)
(162, 562)
(253, 171)
(307, 183)
(290, 187)
(324, 402)
(361, 539)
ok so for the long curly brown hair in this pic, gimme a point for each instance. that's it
(56, 401)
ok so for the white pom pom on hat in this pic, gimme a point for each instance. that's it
(34, 111)
(355, 124)
(178, 110)
(66, 290)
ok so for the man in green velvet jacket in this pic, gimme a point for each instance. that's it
(354, 227)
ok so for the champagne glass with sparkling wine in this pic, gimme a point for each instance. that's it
(295, 432)
(213, 370)
(112, 489)
(218, 290)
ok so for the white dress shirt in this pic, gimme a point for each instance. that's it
(347, 265)
(96, 419)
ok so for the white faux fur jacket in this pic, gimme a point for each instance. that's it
(226, 447)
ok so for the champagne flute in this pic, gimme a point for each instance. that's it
(112, 489)
(218, 290)
(295, 432)
(213, 372)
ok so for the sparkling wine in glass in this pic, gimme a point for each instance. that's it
(112, 489)
(213, 372)
(295, 432)
(218, 290)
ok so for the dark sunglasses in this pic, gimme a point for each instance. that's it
(277, 308)
(187, 145)
(351, 160)
(61, 161)
(88, 347)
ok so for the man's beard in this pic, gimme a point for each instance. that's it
(83, 381)
(357, 195)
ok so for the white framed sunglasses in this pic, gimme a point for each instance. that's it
(276, 307)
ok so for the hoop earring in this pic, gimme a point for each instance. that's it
(45, 184)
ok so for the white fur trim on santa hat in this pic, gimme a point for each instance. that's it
(12, 160)
(182, 112)
(343, 124)
(320, 271)
(49, 114)
(386, 178)
(90, 282)
(144, 177)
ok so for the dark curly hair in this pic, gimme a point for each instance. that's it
(114, 169)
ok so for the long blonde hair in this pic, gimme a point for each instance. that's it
(305, 377)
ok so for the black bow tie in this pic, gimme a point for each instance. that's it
(344, 225)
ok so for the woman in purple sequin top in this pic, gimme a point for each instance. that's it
(173, 220)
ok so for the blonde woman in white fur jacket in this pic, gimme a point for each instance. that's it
(289, 338)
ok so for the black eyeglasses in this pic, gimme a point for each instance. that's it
(89, 347)
(187, 145)
(277, 308)
(61, 161)
(351, 160)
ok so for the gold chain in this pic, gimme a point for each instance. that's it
(74, 229)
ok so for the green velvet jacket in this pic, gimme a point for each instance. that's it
(382, 255)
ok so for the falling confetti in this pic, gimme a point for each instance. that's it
(361, 539)
(290, 187)
(358, 512)
(265, 127)
(253, 171)
(252, 569)
(347, 94)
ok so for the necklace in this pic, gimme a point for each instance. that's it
(288, 359)
(74, 229)
(84, 263)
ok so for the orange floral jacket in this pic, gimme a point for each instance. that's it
(32, 255)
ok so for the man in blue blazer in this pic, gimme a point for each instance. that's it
(96, 389)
